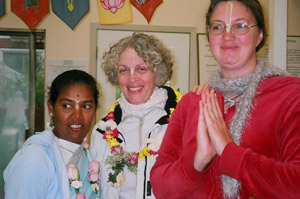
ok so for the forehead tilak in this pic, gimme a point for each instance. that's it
(228, 13)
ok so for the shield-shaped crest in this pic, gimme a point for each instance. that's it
(69, 11)
(2, 8)
(30, 11)
(146, 7)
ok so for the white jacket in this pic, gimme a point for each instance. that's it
(135, 131)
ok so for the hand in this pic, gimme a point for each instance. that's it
(199, 88)
(217, 129)
(205, 150)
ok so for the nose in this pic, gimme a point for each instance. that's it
(132, 76)
(77, 113)
(228, 35)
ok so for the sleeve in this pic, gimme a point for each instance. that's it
(174, 167)
(267, 177)
(27, 175)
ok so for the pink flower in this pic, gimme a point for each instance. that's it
(72, 171)
(110, 116)
(94, 177)
(80, 196)
(116, 149)
(112, 5)
(85, 144)
(133, 160)
(113, 133)
(94, 167)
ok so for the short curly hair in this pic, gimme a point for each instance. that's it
(155, 54)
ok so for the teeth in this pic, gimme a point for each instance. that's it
(75, 126)
(135, 89)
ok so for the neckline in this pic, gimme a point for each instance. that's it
(233, 100)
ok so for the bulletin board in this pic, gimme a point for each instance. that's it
(182, 41)
(293, 55)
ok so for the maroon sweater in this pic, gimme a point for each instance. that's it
(267, 162)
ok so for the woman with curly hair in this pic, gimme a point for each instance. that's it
(127, 139)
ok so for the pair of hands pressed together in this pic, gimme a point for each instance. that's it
(212, 132)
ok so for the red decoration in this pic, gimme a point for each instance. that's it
(30, 11)
(148, 8)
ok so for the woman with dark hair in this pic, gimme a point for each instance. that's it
(127, 139)
(56, 164)
(240, 137)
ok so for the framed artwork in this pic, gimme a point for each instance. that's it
(182, 41)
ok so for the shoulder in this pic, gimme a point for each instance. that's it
(36, 145)
(41, 138)
(31, 160)
(280, 84)
(190, 97)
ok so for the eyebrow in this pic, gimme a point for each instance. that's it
(238, 19)
(72, 101)
(138, 65)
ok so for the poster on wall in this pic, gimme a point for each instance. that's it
(58, 66)
(207, 63)
(293, 55)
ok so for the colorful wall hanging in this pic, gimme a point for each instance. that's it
(114, 11)
(2, 8)
(146, 7)
(69, 11)
(30, 11)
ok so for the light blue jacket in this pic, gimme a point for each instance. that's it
(38, 171)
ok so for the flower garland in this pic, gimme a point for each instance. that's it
(120, 158)
(94, 175)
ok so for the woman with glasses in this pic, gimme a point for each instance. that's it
(127, 139)
(239, 138)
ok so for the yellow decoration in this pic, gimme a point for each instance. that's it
(178, 95)
(171, 112)
(112, 108)
(113, 14)
(112, 141)
(145, 152)
(70, 5)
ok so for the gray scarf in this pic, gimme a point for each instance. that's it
(247, 86)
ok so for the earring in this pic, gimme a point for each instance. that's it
(51, 125)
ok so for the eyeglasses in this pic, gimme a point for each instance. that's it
(236, 29)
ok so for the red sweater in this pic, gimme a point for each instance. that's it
(267, 162)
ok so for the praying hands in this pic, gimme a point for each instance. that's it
(212, 132)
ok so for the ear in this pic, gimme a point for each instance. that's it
(259, 38)
(50, 107)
